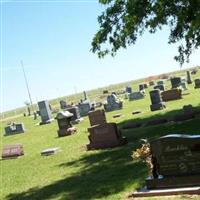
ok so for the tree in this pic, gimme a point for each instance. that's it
(124, 20)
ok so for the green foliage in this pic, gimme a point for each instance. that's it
(124, 20)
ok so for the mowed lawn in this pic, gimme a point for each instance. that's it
(75, 173)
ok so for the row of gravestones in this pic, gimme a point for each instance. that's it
(188, 113)
(175, 158)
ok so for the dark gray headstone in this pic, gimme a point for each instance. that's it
(14, 128)
(156, 100)
(129, 89)
(175, 82)
(197, 83)
(176, 161)
(136, 96)
(84, 108)
(75, 111)
(160, 87)
(189, 77)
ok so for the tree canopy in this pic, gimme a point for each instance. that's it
(124, 20)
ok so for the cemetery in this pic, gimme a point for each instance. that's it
(99, 155)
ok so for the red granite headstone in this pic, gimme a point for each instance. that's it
(105, 136)
(12, 151)
(170, 95)
(97, 117)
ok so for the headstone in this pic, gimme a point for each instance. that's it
(97, 117)
(170, 95)
(145, 85)
(194, 71)
(63, 104)
(50, 151)
(85, 96)
(136, 96)
(35, 115)
(188, 109)
(14, 128)
(160, 87)
(197, 83)
(141, 88)
(156, 100)
(156, 122)
(12, 151)
(84, 108)
(128, 89)
(183, 86)
(117, 115)
(64, 123)
(189, 77)
(45, 112)
(105, 136)
(160, 82)
(176, 161)
(151, 83)
(75, 111)
(113, 103)
(105, 92)
(175, 82)
(29, 111)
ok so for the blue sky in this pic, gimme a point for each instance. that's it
(53, 38)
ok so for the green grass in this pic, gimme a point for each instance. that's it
(76, 173)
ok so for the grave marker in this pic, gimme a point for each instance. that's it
(45, 112)
(12, 151)
(176, 158)
(156, 100)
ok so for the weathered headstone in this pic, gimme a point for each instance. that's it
(176, 162)
(64, 123)
(175, 82)
(12, 151)
(156, 100)
(63, 104)
(14, 128)
(97, 117)
(29, 111)
(136, 96)
(160, 87)
(113, 103)
(189, 77)
(170, 95)
(128, 89)
(75, 111)
(84, 108)
(161, 82)
(45, 112)
(197, 83)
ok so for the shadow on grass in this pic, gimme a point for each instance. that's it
(101, 174)
(154, 131)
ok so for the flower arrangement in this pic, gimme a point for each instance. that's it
(144, 154)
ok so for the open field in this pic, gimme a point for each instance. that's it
(76, 173)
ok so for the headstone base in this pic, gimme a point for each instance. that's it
(171, 182)
(107, 144)
(64, 132)
(46, 122)
(158, 106)
(166, 192)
